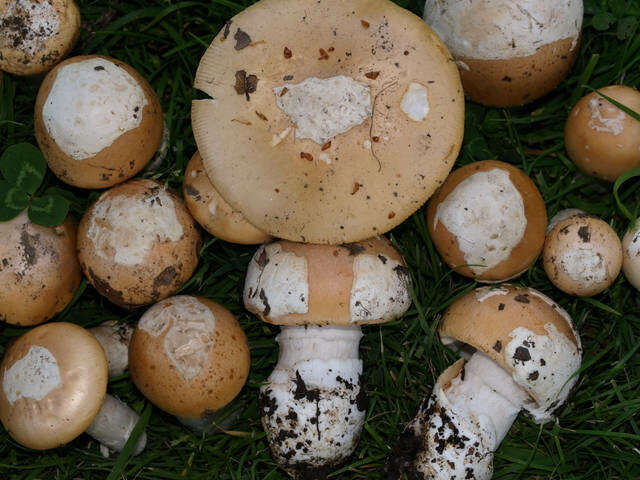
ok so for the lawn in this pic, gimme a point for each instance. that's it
(597, 435)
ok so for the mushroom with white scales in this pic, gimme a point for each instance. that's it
(524, 355)
(488, 221)
(114, 337)
(509, 52)
(54, 382)
(313, 404)
(631, 259)
(582, 255)
(334, 127)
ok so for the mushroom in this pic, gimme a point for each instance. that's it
(114, 337)
(313, 404)
(212, 211)
(137, 243)
(524, 355)
(508, 52)
(601, 139)
(36, 34)
(582, 255)
(563, 215)
(348, 113)
(54, 381)
(97, 121)
(631, 251)
(189, 357)
(39, 269)
(488, 221)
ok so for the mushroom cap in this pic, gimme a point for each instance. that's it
(631, 259)
(97, 121)
(308, 284)
(341, 64)
(137, 243)
(189, 356)
(39, 269)
(527, 333)
(509, 52)
(54, 379)
(212, 211)
(496, 203)
(602, 140)
(36, 34)
(563, 215)
(582, 255)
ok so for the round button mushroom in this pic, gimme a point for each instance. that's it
(582, 255)
(353, 122)
(189, 357)
(313, 404)
(525, 355)
(212, 211)
(601, 139)
(508, 52)
(39, 270)
(54, 381)
(631, 259)
(137, 243)
(36, 34)
(97, 121)
(488, 221)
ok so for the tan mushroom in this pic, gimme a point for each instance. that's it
(333, 127)
(631, 259)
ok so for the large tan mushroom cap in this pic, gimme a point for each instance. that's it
(39, 270)
(602, 140)
(189, 356)
(98, 122)
(212, 211)
(489, 215)
(365, 56)
(36, 34)
(308, 284)
(137, 243)
(54, 379)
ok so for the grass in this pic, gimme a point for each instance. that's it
(597, 435)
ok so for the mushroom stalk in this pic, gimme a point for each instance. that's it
(114, 337)
(313, 404)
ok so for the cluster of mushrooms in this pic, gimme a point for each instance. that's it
(314, 149)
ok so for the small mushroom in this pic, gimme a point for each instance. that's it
(114, 337)
(36, 34)
(524, 356)
(601, 139)
(137, 243)
(97, 121)
(631, 258)
(582, 255)
(39, 270)
(488, 221)
(54, 382)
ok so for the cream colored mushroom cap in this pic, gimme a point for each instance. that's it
(369, 72)
(54, 379)
(631, 260)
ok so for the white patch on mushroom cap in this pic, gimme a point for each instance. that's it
(276, 283)
(415, 102)
(544, 365)
(584, 265)
(483, 293)
(33, 376)
(90, 105)
(322, 108)
(39, 22)
(562, 215)
(485, 212)
(606, 117)
(503, 29)
(125, 229)
(380, 289)
(631, 257)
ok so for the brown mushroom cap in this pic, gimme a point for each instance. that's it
(497, 202)
(308, 284)
(36, 34)
(91, 145)
(137, 243)
(631, 261)
(212, 211)
(582, 255)
(54, 379)
(355, 184)
(39, 270)
(602, 140)
(189, 356)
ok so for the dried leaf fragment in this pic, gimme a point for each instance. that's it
(365, 24)
(326, 146)
(372, 75)
(242, 39)
(287, 53)
(323, 54)
(283, 91)
(306, 156)
(356, 187)
(227, 28)
(261, 116)
(245, 84)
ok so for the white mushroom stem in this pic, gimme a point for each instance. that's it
(313, 404)
(114, 337)
(113, 425)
